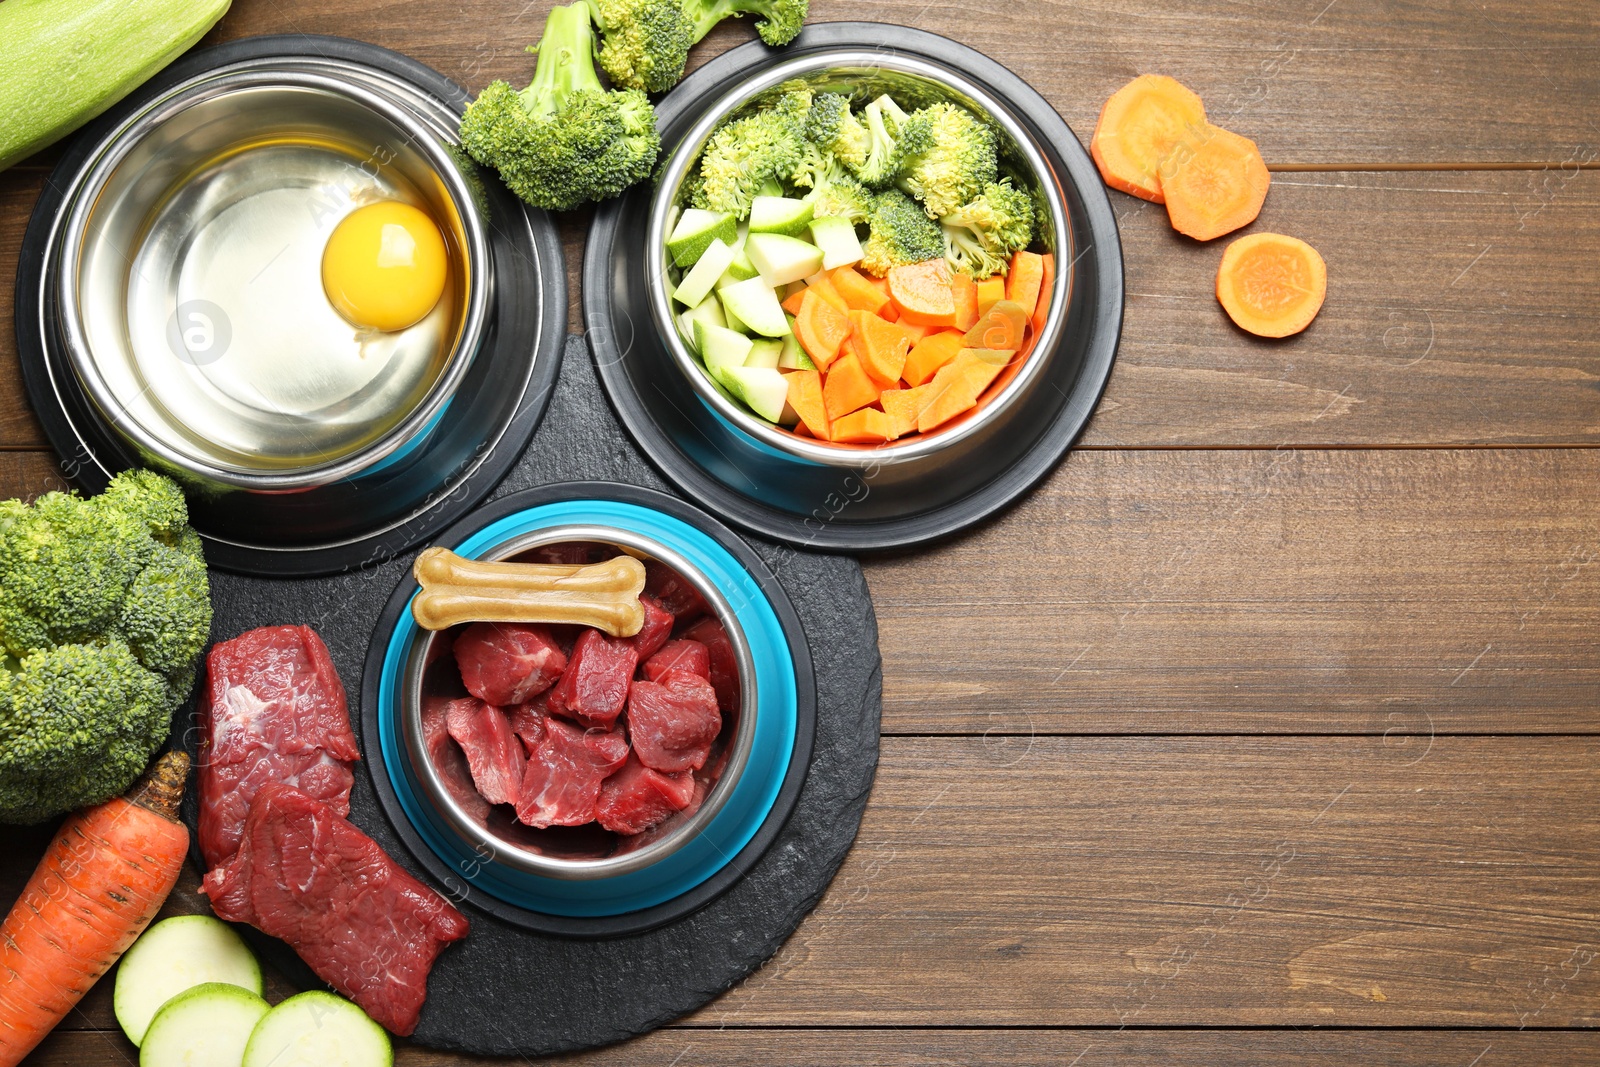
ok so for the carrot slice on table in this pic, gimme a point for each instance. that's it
(882, 346)
(965, 293)
(824, 288)
(847, 387)
(931, 353)
(1216, 188)
(903, 406)
(957, 386)
(1271, 285)
(869, 426)
(1024, 279)
(1138, 127)
(922, 293)
(820, 328)
(1046, 287)
(858, 292)
(1000, 328)
(805, 396)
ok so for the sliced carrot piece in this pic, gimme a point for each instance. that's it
(792, 288)
(869, 426)
(990, 291)
(957, 386)
(820, 329)
(999, 328)
(1217, 187)
(888, 311)
(931, 353)
(1046, 290)
(922, 293)
(1271, 284)
(858, 292)
(824, 288)
(903, 406)
(791, 303)
(1023, 280)
(965, 293)
(913, 331)
(1138, 127)
(882, 346)
(847, 387)
(805, 396)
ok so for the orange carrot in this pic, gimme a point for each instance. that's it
(931, 353)
(903, 406)
(107, 872)
(881, 346)
(858, 292)
(791, 303)
(1000, 328)
(1271, 285)
(824, 288)
(965, 293)
(1046, 290)
(805, 396)
(1217, 186)
(820, 329)
(922, 293)
(957, 386)
(914, 333)
(888, 311)
(990, 290)
(1024, 279)
(847, 387)
(1139, 126)
(869, 426)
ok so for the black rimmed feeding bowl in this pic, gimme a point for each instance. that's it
(411, 481)
(582, 881)
(829, 497)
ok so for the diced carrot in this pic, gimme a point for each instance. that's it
(858, 292)
(1046, 289)
(805, 396)
(791, 303)
(931, 353)
(957, 386)
(1023, 281)
(800, 430)
(1139, 126)
(820, 329)
(991, 291)
(847, 387)
(888, 311)
(965, 293)
(999, 328)
(792, 288)
(922, 293)
(914, 332)
(882, 346)
(1272, 285)
(903, 406)
(1215, 187)
(824, 288)
(869, 426)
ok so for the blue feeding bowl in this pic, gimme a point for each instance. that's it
(587, 880)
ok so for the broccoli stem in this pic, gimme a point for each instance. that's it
(566, 60)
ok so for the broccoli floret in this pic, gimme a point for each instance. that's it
(564, 140)
(901, 233)
(834, 128)
(881, 163)
(780, 23)
(835, 191)
(744, 155)
(949, 157)
(104, 606)
(979, 237)
(644, 42)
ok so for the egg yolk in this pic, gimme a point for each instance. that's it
(384, 266)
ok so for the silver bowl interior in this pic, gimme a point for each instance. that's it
(587, 852)
(863, 75)
(191, 297)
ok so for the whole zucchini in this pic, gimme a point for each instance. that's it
(62, 62)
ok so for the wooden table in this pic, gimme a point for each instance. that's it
(1265, 731)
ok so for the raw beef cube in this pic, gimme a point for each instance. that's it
(493, 751)
(565, 772)
(506, 662)
(449, 762)
(272, 711)
(675, 593)
(724, 668)
(527, 720)
(636, 797)
(690, 657)
(671, 723)
(658, 623)
(595, 684)
(307, 875)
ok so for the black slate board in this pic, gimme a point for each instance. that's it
(508, 991)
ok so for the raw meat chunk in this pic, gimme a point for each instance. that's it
(272, 711)
(675, 593)
(527, 720)
(565, 772)
(506, 662)
(595, 685)
(637, 798)
(307, 875)
(688, 656)
(658, 623)
(672, 723)
(449, 761)
(493, 751)
(724, 668)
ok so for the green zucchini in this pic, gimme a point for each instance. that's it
(62, 62)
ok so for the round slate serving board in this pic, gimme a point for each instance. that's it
(505, 990)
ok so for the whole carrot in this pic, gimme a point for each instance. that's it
(106, 874)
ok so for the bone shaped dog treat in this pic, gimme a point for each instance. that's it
(456, 590)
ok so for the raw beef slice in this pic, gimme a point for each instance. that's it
(565, 772)
(493, 752)
(674, 592)
(307, 875)
(689, 656)
(506, 662)
(595, 685)
(672, 723)
(450, 762)
(637, 798)
(527, 722)
(272, 711)
(724, 668)
(658, 623)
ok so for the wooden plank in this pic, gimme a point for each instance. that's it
(26, 475)
(19, 189)
(989, 1048)
(1405, 591)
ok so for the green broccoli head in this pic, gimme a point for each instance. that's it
(950, 156)
(901, 233)
(835, 192)
(981, 236)
(834, 128)
(781, 20)
(745, 154)
(564, 140)
(159, 620)
(645, 43)
(884, 152)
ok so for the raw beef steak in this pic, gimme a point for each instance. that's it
(674, 593)
(637, 798)
(724, 668)
(672, 723)
(565, 772)
(493, 752)
(689, 656)
(658, 623)
(595, 685)
(506, 663)
(527, 721)
(449, 761)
